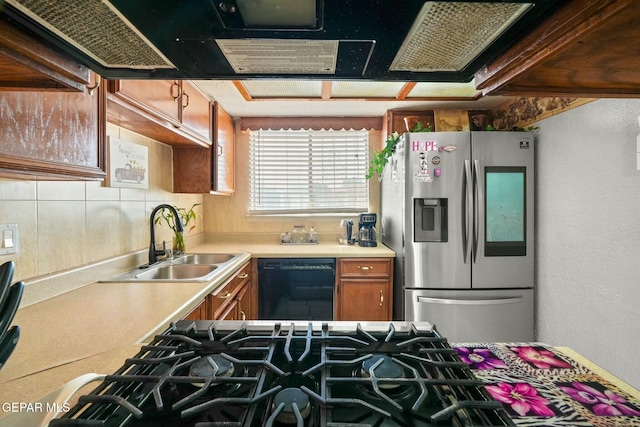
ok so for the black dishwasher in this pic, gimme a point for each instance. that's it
(296, 288)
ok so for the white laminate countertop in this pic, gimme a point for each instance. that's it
(63, 335)
(260, 249)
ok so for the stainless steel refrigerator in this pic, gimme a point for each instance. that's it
(458, 210)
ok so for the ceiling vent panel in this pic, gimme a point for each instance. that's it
(448, 36)
(443, 90)
(97, 29)
(276, 56)
(356, 89)
(283, 88)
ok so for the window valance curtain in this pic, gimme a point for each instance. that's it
(311, 123)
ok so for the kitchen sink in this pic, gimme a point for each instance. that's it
(204, 259)
(185, 268)
(177, 272)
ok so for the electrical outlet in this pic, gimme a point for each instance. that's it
(8, 239)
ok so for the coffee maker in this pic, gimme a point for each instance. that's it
(367, 229)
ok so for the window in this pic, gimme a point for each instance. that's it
(306, 171)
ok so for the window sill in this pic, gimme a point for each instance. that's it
(318, 217)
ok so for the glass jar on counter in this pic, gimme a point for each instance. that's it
(299, 234)
(313, 235)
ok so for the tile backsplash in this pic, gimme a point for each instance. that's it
(63, 225)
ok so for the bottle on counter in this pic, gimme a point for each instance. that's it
(313, 235)
(285, 237)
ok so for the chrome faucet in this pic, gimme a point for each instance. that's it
(153, 252)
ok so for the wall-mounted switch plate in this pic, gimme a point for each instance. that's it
(638, 148)
(8, 239)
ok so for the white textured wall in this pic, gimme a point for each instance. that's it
(588, 234)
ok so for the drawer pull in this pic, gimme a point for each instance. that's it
(243, 276)
(225, 296)
(365, 267)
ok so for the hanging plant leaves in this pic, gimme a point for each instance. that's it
(380, 159)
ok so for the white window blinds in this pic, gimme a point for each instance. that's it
(305, 171)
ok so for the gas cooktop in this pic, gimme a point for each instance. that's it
(210, 373)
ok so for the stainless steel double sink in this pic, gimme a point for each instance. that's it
(185, 268)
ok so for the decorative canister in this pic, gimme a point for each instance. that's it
(299, 234)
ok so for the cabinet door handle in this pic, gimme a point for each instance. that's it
(225, 296)
(365, 267)
(186, 95)
(244, 316)
(219, 150)
(95, 86)
(381, 298)
(243, 276)
(177, 87)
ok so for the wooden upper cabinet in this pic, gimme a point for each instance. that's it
(588, 48)
(394, 121)
(212, 169)
(225, 152)
(158, 97)
(169, 111)
(192, 168)
(28, 65)
(53, 135)
(195, 111)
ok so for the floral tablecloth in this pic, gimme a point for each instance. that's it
(540, 386)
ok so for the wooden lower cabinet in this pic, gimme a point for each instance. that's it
(198, 313)
(363, 290)
(230, 311)
(236, 299)
(246, 303)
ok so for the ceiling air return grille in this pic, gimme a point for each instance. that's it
(97, 29)
(447, 36)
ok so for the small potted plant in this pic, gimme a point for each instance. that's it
(187, 217)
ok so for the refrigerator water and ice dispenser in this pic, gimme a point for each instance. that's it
(431, 222)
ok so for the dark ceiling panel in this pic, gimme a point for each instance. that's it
(370, 33)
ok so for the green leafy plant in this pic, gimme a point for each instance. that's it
(381, 158)
(187, 216)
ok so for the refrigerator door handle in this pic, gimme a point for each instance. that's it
(476, 206)
(467, 202)
(493, 301)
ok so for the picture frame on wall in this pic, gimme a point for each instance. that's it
(128, 164)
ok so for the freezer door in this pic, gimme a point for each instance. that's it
(475, 316)
(503, 214)
(437, 210)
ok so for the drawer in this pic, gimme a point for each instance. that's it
(227, 291)
(365, 267)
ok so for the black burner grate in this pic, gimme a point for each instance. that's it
(359, 377)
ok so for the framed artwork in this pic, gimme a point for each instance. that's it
(128, 164)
